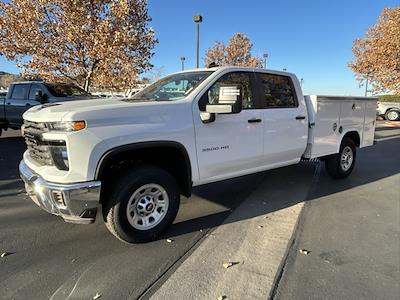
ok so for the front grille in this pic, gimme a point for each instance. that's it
(38, 150)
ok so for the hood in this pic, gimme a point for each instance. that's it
(94, 109)
(75, 98)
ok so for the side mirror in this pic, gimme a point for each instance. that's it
(40, 97)
(229, 101)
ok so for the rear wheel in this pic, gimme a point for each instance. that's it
(392, 115)
(341, 165)
(142, 205)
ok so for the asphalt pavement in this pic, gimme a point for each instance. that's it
(349, 233)
(48, 258)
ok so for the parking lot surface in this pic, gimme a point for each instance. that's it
(352, 229)
(349, 242)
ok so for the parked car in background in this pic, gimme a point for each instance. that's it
(136, 156)
(23, 95)
(389, 110)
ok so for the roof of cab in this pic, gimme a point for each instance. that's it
(221, 68)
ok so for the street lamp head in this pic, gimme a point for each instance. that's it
(265, 55)
(198, 19)
(183, 58)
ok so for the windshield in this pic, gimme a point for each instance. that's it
(171, 88)
(65, 90)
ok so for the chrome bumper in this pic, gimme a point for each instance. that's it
(75, 203)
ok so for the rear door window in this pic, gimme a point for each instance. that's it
(20, 91)
(277, 91)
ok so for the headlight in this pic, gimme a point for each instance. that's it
(66, 126)
(60, 157)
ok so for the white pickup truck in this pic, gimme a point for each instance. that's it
(135, 157)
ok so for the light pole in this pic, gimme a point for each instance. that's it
(183, 62)
(265, 55)
(197, 19)
(366, 88)
(301, 82)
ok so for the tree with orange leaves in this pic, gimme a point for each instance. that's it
(106, 43)
(377, 56)
(236, 53)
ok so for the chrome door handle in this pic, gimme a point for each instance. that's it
(254, 120)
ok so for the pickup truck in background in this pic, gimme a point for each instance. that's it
(23, 95)
(135, 157)
(389, 110)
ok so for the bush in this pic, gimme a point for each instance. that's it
(389, 98)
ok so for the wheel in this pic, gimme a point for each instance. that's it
(141, 205)
(341, 165)
(392, 115)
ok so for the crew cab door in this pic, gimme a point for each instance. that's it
(284, 117)
(231, 144)
(18, 103)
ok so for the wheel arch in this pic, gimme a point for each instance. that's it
(391, 108)
(354, 135)
(147, 153)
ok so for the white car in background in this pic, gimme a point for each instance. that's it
(389, 110)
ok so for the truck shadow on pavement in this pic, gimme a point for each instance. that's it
(285, 187)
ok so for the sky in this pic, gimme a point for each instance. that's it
(311, 38)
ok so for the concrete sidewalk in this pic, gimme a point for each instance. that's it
(254, 238)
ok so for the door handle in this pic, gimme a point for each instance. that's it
(8, 103)
(254, 120)
(28, 104)
(300, 117)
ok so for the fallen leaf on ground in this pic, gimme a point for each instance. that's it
(4, 254)
(226, 265)
(169, 240)
(304, 251)
(221, 298)
(260, 226)
(229, 264)
(97, 296)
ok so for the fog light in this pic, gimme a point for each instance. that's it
(58, 197)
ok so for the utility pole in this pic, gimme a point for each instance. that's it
(366, 88)
(197, 19)
(301, 82)
(265, 55)
(183, 62)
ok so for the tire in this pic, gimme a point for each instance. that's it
(392, 115)
(341, 165)
(144, 193)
